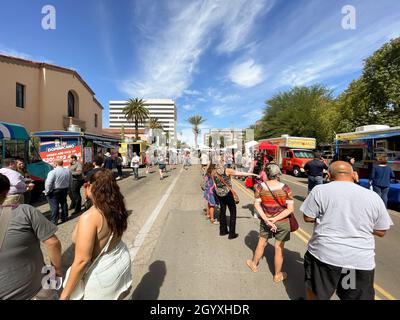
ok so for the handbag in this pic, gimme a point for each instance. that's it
(249, 182)
(79, 290)
(235, 195)
(294, 225)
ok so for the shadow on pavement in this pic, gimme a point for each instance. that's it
(300, 198)
(149, 286)
(292, 265)
(250, 207)
(68, 257)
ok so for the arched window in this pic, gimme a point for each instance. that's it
(71, 104)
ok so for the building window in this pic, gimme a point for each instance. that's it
(71, 104)
(95, 120)
(20, 95)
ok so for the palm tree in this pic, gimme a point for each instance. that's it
(196, 121)
(136, 112)
(153, 123)
(122, 133)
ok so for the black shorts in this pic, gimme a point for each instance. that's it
(324, 279)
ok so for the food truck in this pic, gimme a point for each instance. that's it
(368, 144)
(128, 148)
(290, 153)
(55, 145)
(16, 143)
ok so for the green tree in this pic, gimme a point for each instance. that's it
(136, 112)
(154, 123)
(374, 98)
(301, 111)
(196, 121)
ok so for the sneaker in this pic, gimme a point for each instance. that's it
(233, 236)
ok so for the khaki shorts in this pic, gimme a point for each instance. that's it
(282, 233)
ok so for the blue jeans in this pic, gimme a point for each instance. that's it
(314, 181)
(136, 172)
(383, 193)
(56, 199)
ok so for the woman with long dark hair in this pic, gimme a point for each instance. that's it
(226, 197)
(102, 260)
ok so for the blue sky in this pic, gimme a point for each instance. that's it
(221, 59)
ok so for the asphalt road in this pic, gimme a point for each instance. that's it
(178, 254)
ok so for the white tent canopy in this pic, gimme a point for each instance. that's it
(234, 146)
(203, 147)
(251, 144)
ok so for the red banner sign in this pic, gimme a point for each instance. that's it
(63, 154)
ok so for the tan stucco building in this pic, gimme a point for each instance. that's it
(42, 96)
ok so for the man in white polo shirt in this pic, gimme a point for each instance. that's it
(341, 251)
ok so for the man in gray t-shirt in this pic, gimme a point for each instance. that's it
(346, 218)
(21, 258)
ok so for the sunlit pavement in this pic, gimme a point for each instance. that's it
(178, 254)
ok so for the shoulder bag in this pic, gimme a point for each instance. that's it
(79, 290)
(235, 195)
(294, 225)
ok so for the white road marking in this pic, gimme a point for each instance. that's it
(141, 236)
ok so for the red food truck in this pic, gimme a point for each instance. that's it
(290, 153)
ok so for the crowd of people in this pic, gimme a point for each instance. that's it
(346, 218)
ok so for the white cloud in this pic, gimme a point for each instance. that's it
(220, 97)
(337, 59)
(219, 110)
(14, 53)
(192, 92)
(253, 115)
(188, 107)
(239, 24)
(170, 57)
(247, 74)
(22, 55)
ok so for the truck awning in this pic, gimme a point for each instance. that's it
(105, 145)
(380, 136)
(101, 138)
(265, 145)
(11, 131)
(55, 133)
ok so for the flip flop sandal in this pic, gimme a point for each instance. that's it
(282, 278)
(251, 265)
